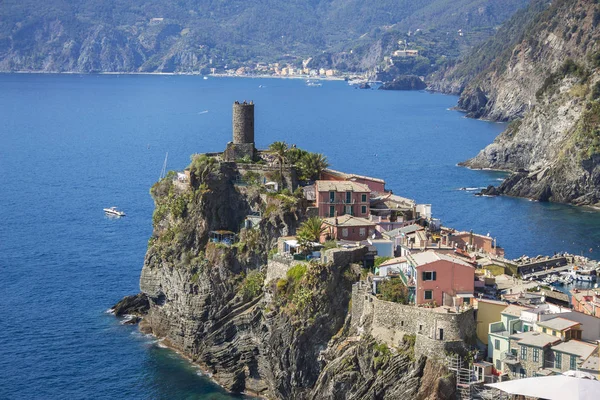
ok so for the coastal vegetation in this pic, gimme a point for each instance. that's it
(394, 290)
(310, 232)
(308, 165)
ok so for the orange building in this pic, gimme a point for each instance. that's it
(442, 278)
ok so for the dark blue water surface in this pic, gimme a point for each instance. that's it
(71, 145)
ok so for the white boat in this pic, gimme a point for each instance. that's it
(583, 275)
(114, 211)
(205, 78)
(313, 83)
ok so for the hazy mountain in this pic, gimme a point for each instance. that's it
(186, 35)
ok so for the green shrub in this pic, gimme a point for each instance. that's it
(252, 285)
(394, 290)
(296, 273)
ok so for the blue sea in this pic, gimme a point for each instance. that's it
(71, 145)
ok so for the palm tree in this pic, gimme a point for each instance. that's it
(312, 164)
(310, 231)
(279, 150)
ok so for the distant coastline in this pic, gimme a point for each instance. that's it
(321, 78)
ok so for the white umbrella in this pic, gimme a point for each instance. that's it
(580, 374)
(557, 387)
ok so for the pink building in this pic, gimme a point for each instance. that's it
(375, 185)
(337, 198)
(347, 227)
(442, 278)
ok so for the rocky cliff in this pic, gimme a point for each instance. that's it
(288, 338)
(547, 83)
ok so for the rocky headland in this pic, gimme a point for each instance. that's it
(404, 82)
(257, 322)
(545, 79)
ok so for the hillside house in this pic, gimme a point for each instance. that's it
(348, 228)
(337, 198)
(442, 279)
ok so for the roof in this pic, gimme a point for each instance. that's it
(432, 256)
(498, 302)
(348, 221)
(575, 347)
(558, 323)
(350, 176)
(393, 261)
(341, 186)
(405, 229)
(536, 339)
(514, 310)
(592, 363)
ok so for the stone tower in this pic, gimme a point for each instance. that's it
(243, 133)
(243, 122)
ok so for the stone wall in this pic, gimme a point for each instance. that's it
(278, 267)
(340, 256)
(436, 332)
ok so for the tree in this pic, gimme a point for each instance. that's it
(279, 150)
(309, 232)
(311, 165)
(204, 167)
(394, 290)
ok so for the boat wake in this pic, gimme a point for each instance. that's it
(203, 112)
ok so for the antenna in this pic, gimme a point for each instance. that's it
(163, 171)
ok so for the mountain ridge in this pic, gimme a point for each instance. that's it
(549, 87)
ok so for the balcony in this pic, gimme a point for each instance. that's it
(509, 358)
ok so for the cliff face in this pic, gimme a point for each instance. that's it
(285, 338)
(548, 85)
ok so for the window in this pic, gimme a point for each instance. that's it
(523, 352)
(557, 360)
(441, 334)
(401, 323)
(420, 328)
(362, 232)
(345, 232)
(536, 354)
(525, 328)
(429, 275)
(363, 209)
(544, 330)
(428, 294)
(498, 365)
(364, 198)
(522, 373)
(573, 363)
(348, 197)
(348, 210)
(331, 197)
(332, 211)
(496, 344)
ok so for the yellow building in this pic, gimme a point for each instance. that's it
(488, 311)
(562, 328)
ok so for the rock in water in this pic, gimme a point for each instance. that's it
(134, 305)
(489, 191)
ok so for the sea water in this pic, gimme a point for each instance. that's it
(71, 145)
